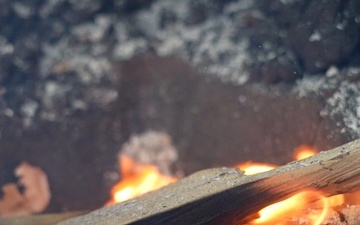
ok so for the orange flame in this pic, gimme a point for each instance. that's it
(304, 151)
(137, 179)
(276, 213)
(251, 168)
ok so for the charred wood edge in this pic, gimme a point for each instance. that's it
(226, 196)
(46, 219)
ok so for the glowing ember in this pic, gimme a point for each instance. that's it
(137, 179)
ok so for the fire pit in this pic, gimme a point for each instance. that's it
(226, 81)
(197, 199)
(227, 196)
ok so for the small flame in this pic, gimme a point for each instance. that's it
(293, 206)
(137, 179)
(251, 168)
(296, 204)
(304, 151)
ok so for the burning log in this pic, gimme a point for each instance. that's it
(227, 196)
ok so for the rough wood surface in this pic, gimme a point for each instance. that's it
(225, 196)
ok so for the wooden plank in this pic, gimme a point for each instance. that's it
(225, 196)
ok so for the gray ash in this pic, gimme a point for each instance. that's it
(60, 52)
(341, 93)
